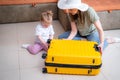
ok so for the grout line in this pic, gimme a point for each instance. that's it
(18, 52)
(104, 76)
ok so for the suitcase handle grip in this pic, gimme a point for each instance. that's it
(48, 41)
(98, 48)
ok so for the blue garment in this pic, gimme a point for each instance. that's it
(94, 36)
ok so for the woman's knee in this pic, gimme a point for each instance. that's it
(60, 37)
(93, 37)
(64, 35)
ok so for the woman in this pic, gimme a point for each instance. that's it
(84, 22)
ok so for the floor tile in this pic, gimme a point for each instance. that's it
(36, 74)
(97, 77)
(28, 60)
(74, 77)
(8, 36)
(110, 58)
(9, 61)
(111, 63)
(26, 33)
(10, 75)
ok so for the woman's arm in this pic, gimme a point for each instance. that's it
(73, 31)
(100, 31)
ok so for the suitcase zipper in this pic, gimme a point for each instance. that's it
(73, 66)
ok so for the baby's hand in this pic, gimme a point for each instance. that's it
(45, 46)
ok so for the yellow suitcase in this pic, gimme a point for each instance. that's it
(72, 57)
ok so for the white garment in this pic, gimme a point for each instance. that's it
(44, 32)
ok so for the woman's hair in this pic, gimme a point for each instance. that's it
(46, 17)
(79, 16)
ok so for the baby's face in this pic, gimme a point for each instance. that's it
(44, 24)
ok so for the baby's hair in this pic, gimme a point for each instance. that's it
(46, 17)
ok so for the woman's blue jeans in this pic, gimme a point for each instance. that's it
(94, 36)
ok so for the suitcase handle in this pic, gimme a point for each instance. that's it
(48, 41)
(97, 48)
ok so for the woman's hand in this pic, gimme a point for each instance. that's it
(101, 47)
(73, 31)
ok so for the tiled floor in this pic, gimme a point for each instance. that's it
(17, 64)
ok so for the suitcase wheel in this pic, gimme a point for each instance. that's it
(44, 55)
(44, 70)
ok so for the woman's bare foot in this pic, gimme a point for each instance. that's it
(111, 40)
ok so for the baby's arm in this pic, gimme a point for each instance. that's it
(43, 42)
(51, 36)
